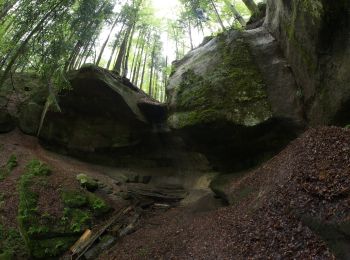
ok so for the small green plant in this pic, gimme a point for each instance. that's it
(9, 167)
(98, 205)
(38, 168)
(74, 199)
(12, 163)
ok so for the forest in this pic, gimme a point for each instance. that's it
(174, 129)
(51, 38)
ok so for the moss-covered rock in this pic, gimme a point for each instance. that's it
(220, 102)
(232, 90)
(87, 182)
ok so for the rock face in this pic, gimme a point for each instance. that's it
(229, 98)
(102, 112)
(22, 99)
(314, 36)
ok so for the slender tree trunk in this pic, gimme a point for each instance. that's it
(115, 46)
(122, 51)
(155, 88)
(138, 64)
(143, 70)
(126, 57)
(6, 8)
(137, 51)
(152, 67)
(176, 44)
(201, 27)
(235, 12)
(218, 15)
(253, 8)
(106, 41)
(137, 76)
(190, 34)
(26, 41)
(136, 59)
(86, 52)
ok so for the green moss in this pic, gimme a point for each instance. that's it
(304, 12)
(11, 244)
(76, 220)
(233, 91)
(37, 229)
(49, 236)
(97, 205)
(74, 199)
(52, 247)
(87, 182)
(313, 8)
(9, 167)
(191, 118)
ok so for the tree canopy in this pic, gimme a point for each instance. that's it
(52, 37)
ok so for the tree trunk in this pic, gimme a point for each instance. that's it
(235, 12)
(26, 41)
(106, 41)
(190, 34)
(143, 70)
(115, 46)
(6, 8)
(253, 8)
(138, 59)
(136, 77)
(122, 51)
(218, 15)
(126, 58)
(152, 68)
(137, 51)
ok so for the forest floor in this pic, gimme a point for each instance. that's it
(277, 212)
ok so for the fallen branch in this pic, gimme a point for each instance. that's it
(88, 243)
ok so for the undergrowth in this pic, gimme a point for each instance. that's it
(9, 167)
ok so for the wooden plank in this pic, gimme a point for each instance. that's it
(84, 247)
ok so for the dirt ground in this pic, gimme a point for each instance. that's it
(310, 179)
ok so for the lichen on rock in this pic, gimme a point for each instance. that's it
(232, 90)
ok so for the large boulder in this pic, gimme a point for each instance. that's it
(314, 36)
(101, 112)
(22, 100)
(7, 123)
(235, 99)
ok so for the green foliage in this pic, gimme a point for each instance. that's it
(87, 182)
(37, 168)
(11, 244)
(12, 163)
(74, 199)
(9, 167)
(97, 205)
(46, 235)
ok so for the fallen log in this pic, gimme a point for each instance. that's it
(88, 239)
